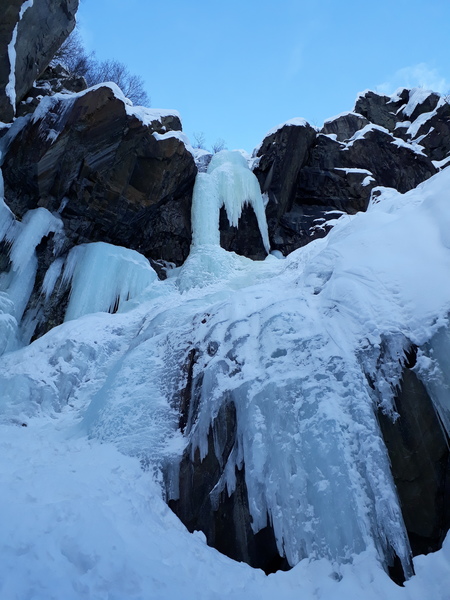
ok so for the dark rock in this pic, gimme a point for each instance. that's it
(344, 126)
(282, 155)
(377, 109)
(419, 454)
(245, 239)
(392, 163)
(206, 506)
(40, 32)
(434, 134)
(106, 174)
(55, 80)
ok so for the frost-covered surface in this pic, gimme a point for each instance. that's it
(289, 342)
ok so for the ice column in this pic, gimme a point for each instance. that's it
(228, 182)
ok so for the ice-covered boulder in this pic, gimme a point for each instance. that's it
(31, 31)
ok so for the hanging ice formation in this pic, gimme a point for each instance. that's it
(102, 278)
(16, 283)
(228, 182)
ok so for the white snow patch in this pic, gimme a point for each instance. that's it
(343, 114)
(295, 122)
(416, 96)
(422, 119)
(353, 170)
(441, 164)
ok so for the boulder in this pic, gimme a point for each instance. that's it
(113, 173)
(30, 34)
(378, 109)
(344, 126)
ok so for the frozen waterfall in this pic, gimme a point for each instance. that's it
(307, 349)
(228, 182)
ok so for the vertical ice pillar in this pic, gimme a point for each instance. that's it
(228, 182)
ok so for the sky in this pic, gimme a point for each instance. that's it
(236, 69)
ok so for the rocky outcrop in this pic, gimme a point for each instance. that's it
(420, 461)
(112, 173)
(311, 178)
(30, 34)
(344, 126)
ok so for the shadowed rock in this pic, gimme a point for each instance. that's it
(44, 26)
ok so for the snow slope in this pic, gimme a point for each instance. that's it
(291, 342)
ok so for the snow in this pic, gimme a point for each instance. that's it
(422, 119)
(414, 147)
(353, 170)
(361, 133)
(440, 164)
(416, 96)
(291, 342)
(82, 521)
(150, 115)
(179, 135)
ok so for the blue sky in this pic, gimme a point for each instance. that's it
(236, 69)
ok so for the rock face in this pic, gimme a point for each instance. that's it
(420, 460)
(313, 176)
(30, 34)
(110, 176)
